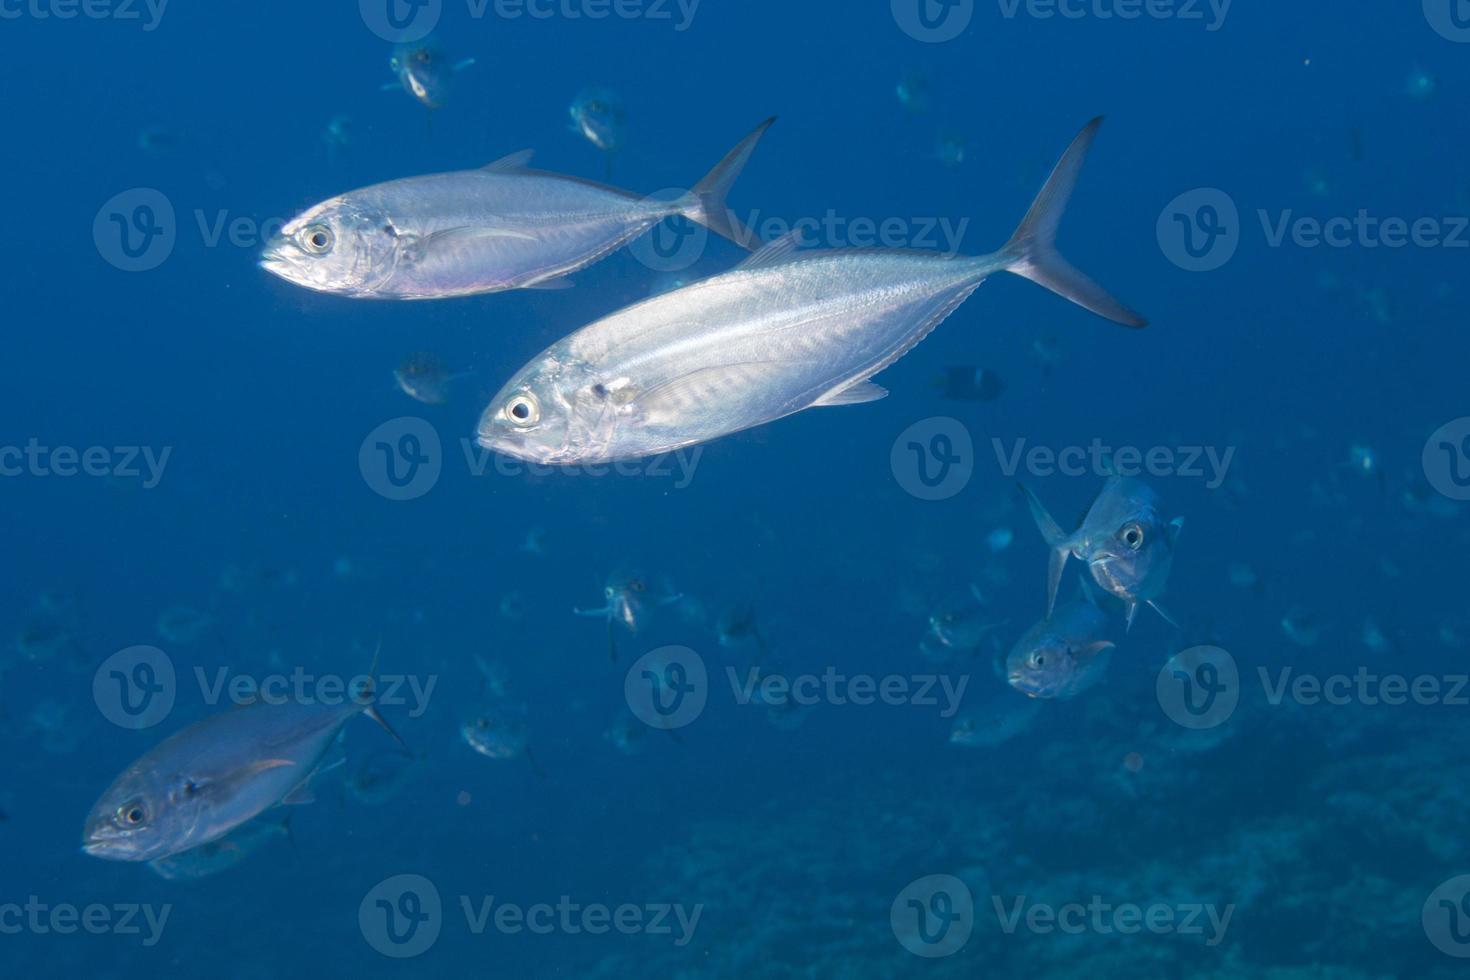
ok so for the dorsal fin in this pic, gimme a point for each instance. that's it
(773, 252)
(509, 164)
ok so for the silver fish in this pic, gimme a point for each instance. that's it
(204, 781)
(504, 226)
(1061, 656)
(597, 116)
(424, 72)
(782, 333)
(627, 603)
(1125, 539)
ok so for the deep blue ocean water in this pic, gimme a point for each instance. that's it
(1332, 545)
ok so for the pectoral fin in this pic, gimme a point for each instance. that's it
(855, 394)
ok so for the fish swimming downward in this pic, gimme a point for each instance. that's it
(210, 778)
(781, 333)
(1064, 654)
(1125, 540)
(504, 226)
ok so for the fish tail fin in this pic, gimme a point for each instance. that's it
(1032, 252)
(706, 203)
(1056, 539)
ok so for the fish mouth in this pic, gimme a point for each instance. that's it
(273, 259)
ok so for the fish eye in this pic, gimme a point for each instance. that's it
(317, 239)
(1133, 536)
(523, 409)
(132, 814)
(1038, 660)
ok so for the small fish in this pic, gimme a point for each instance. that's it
(157, 140)
(501, 731)
(994, 725)
(1373, 636)
(1063, 655)
(1364, 461)
(626, 603)
(217, 774)
(1301, 627)
(504, 226)
(382, 775)
(950, 149)
(999, 539)
(423, 378)
(222, 854)
(962, 625)
(598, 116)
(913, 91)
(782, 333)
(1048, 352)
(1421, 85)
(424, 72)
(494, 678)
(627, 734)
(513, 605)
(737, 626)
(337, 136)
(1126, 542)
(534, 542)
(971, 384)
(1243, 576)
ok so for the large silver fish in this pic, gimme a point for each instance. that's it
(781, 333)
(501, 227)
(1125, 539)
(206, 780)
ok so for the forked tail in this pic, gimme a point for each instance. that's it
(707, 201)
(1032, 249)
